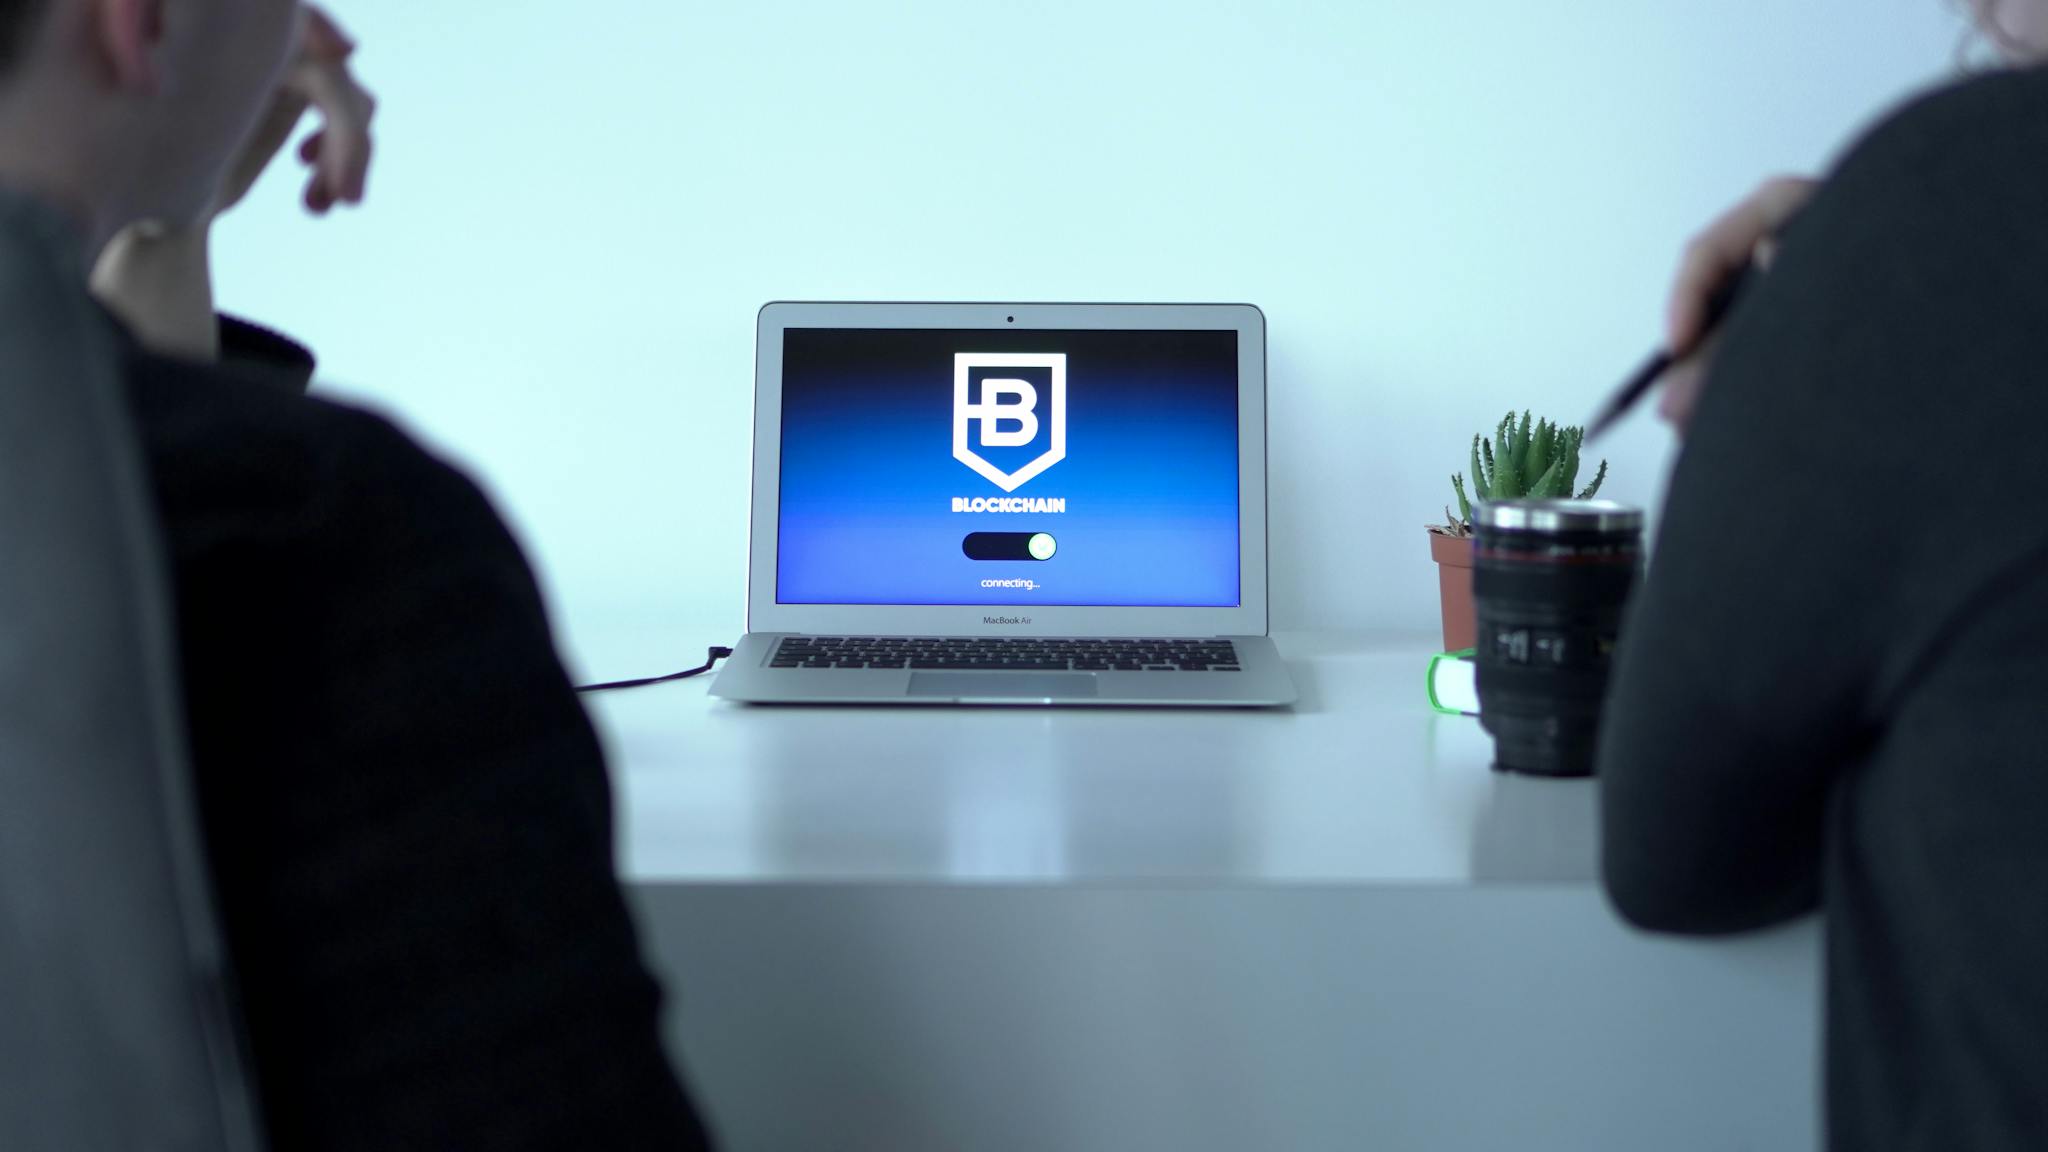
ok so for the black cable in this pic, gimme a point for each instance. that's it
(711, 662)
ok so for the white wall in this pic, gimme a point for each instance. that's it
(1445, 209)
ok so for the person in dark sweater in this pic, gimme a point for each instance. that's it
(406, 809)
(1831, 690)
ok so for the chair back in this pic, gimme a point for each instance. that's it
(117, 1027)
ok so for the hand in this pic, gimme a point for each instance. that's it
(339, 153)
(1746, 232)
(158, 278)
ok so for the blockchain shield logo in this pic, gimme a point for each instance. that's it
(1007, 401)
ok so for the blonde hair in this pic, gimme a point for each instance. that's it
(1985, 45)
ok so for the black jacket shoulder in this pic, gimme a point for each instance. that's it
(233, 451)
(1944, 137)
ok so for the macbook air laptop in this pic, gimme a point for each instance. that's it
(1009, 504)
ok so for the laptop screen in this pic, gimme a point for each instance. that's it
(1009, 468)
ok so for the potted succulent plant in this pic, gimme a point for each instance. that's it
(1525, 459)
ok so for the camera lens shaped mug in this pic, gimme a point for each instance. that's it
(1550, 582)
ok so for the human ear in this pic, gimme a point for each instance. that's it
(129, 32)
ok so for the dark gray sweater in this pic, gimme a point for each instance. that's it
(1833, 690)
(407, 811)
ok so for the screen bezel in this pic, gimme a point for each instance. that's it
(1248, 618)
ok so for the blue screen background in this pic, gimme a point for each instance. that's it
(868, 475)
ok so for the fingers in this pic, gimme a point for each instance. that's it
(341, 150)
(339, 153)
(320, 38)
(1723, 250)
(316, 196)
(1682, 386)
(1709, 261)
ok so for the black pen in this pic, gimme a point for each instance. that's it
(1638, 385)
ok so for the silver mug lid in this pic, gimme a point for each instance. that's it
(1557, 516)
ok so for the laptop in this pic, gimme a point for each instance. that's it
(1042, 504)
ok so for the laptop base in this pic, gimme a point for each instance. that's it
(1260, 680)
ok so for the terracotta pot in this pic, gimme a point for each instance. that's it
(1453, 558)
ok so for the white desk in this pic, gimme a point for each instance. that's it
(1326, 928)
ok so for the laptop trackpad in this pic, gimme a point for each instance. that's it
(1004, 685)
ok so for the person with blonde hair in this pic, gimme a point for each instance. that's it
(1829, 694)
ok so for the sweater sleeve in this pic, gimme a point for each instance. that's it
(1808, 555)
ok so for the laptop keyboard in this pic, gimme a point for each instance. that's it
(1007, 655)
